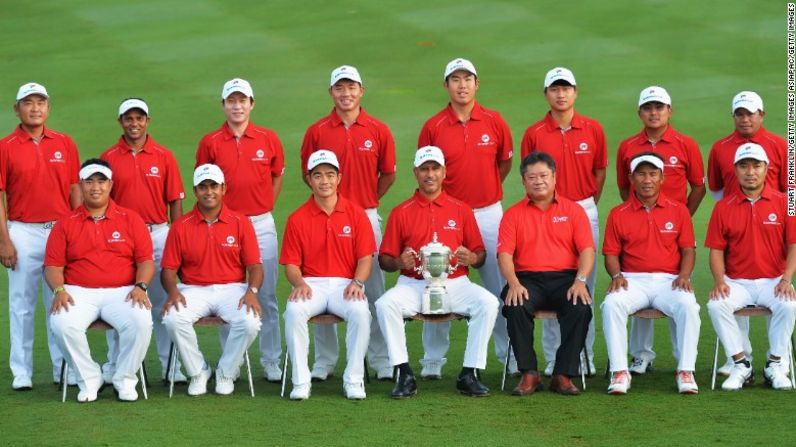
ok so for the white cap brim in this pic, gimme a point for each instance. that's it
(429, 153)
(321, 157)
(237, 85)
(559, 74)
(207, 172)
(31, 88)
(750, 151)
(345, 72)
(89, 170)
(459, 64)
(133, 103)
(651, 159)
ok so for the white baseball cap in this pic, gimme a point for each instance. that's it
(429, 153)
(751, 150)
(459, 64)
(207, 172)
(559, 74)
(654, 94)
(345, 72)
(750, 101)
(94, 168)
(31, 88)
(237, 85)
(651, 159)
(133, 103)
(323, 156)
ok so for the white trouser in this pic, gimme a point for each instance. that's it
(747, 292)
(270, 337)
(466, 298)
(327, 349)
(651, 290)
(436, 336)
(133, 323)
(221, 300)
(551, 331)
(327, 297)
(30, 240)
(157, 296)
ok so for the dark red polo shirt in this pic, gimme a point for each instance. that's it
(99, 254)
(414, 222)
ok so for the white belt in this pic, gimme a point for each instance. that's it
(259, 217)
(487, 208)
(587, 203)
(43, 225)
(154, 227)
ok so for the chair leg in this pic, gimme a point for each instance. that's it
(367, 373)
(506, 366)
(172, 368)
(284, 374)
(608, 369)
(145, 376)
(715, 365)
(64, 385)
(249, 372)
(792, 373)
(143, 381)
(583, 358)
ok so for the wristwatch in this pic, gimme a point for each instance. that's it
(581, 278)
(142, 285)
(58, 290)
(359, 283)
(254, 290)
(618, 275)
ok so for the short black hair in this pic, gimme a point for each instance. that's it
(537, 157)
(96, 161)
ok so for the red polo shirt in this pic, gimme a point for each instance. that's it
(414, 222)
(99, 254)
(211, 253)
(681, 157)
(37, 177)
(577, 151)
(721, 161)
(754, 236)
(472, 151)
(325, 245)
(145, 182)
(545, 241)
(249, 165)
(649, 241)
(364, 150)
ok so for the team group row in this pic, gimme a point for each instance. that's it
(476, 144)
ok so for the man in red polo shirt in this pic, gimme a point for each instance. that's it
(214, 251)
(39, 176)
(752, 242)
(577, 144)
(545, 252)
(148, 182)
(431, 213)
(253, 163)
(477, 145)
(98, 264)
(649, 253)
(747, 113)
(327, 254)
(366, 151)
(684, 168)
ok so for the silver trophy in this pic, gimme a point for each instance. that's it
(435, 266)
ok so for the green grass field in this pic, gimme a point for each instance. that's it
(177, 54)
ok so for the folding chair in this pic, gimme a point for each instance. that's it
(100, 325)
(649, 313)
(753, 311)
(433, 318)
(546, 315)
(326, 318)
(209, 321)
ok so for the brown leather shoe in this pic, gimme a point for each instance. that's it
(563, 385)
(529, 383)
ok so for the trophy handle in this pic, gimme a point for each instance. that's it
(452, 268)
(418, 268)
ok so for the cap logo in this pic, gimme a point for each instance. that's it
(154, 170)
(58, 155)
(116, 235)
(346, 230)
(772, 217)
(230, 239)
(669, 225)
(672, 160)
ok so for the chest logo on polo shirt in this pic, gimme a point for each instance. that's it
(154, 171)
(115, 238)
(57, 157)
(668, 225)
(230, 242)
(259, 155)
(366, 146)
(584, 146)
(486, 140)
(560, 219)
(345, 232)
(772, 220)
(673, 160)
(451, 225)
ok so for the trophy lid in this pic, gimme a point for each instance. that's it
(434, 247)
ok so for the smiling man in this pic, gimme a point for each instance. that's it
(684, 168)
(649, 253)
(752, 242)
(478, 149)
(214, 251)
(39, 178)
(253, 163)
(431, 213)
(99, 264)
(577, 145)
(365, 148)
(147, 180)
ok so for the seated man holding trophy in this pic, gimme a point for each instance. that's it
(433, 239)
